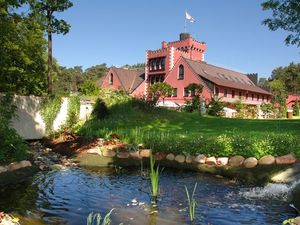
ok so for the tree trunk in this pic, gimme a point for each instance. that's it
(49, 31)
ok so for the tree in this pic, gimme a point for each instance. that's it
(286, 16)
(266, 108)
(44, 10)
(96, 71)
(22, 50)
(278, 90)
(296, 108)
(195, 90)
(240, 108)
(135, 66)
(215, 107)
(290, 76)
(160, 90)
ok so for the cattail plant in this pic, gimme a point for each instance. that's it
(191, 203)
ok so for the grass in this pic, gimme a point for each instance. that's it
(189, 133)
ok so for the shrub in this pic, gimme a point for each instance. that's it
(73, 111)
(144, 104)
(215, 107)
(100, 110)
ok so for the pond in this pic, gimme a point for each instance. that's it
(67, 197)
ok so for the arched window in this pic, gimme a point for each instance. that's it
(111, 79)
(181, 72)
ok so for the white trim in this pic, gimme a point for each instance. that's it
(171, 65)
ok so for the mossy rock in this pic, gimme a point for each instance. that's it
(17, 176)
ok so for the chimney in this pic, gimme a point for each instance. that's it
(164, 45)
(253, 77)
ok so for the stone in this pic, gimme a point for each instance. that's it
(286, 159)
(180, 158)
(211, 161)
(189, 159)
(200, 159)
(95, 150)
(250, 162)
(134, 154)
(145, 153)
(222, 161)
(108, 153)
(297, 220)
(160, 156)
(170, 157)
(266, 160)
(289, 175)
(3, 169)
(13, 166)
(123, 155)
(236, 161)
(25, 163)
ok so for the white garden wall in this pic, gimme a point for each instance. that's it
(29, 123)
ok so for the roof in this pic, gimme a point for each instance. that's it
(224, 77)
(130, 78)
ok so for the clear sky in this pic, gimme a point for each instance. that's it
(118, 32)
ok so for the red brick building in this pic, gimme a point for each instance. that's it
(291, 100)
(180, 63)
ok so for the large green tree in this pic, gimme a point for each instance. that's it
(22, 49)
(44, 10)
(160, 90)
(290, 77)
(286, 16)
(96, 71)
(278, 90)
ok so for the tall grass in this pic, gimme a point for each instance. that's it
(95, 219)
(191, 203)
(154, 179)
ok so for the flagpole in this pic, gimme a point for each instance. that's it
(185, 22)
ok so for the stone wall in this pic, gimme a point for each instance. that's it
(29, 123)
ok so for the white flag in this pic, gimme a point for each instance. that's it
(189, 17)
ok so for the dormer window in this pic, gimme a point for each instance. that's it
(111, 79)
(181, 72)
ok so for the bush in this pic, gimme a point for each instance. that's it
(73, 111)
(215, 107)
(144, 104)
(100, 110)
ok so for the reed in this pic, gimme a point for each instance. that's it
(191, 203)
(154, 179)
(95, 219)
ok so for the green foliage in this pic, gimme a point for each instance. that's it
(49, 109)
(12, 146)
(154, 177)
(289, 76)
(144, 104)
(22, 49)
(195, 90)
(215, 107)
(73, 111)
(100, 110)
(95, 219)
(89, 87)
(240, 108)
(266, 108)
(135, 66)
(291, 221)
(286, 16)
(95, 72)
(278, 90)
(296, 108)
(191, 202)
(160, 90)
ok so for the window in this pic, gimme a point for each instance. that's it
(247, 96)
(157, 64)
(192, 93)
(163, 62)
(152, 80)
(181, 72)
(267, 98)
(240, 95)
(175, 92)
(217, 91)
(186, 92)
(225, 92)
(111, 78)
(162, 78)
(157, 79)
(257, 97)
(233, 94)
(152, 64)
(252, 96)
(263, 98)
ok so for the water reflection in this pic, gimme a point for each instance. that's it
(67, 197)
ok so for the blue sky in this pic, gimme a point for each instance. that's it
(119, 32)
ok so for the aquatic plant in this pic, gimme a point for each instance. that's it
(95, 219)
(191, 203)
(154, 179)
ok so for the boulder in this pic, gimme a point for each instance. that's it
(236, 161)
(13, 166)
(189, 159)
(286, 159)
(170, 157)
(266, 160)
(200, 159)
(222, 161)
(145, 153)
(25, 163)
(211, 161)
(134, 154)
(250, 162)
(180, 158)
(95, 150)
(108, 153)
(3, 169)
(123, 155)
(160, 156)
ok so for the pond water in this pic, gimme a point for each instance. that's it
(67, 197)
